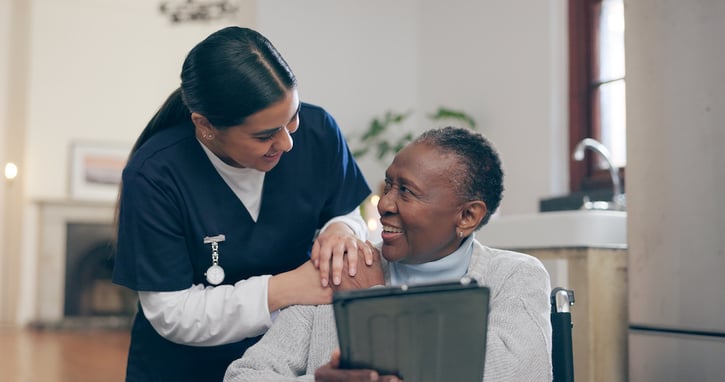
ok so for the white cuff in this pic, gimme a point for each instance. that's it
(210, 316)
(354, 220)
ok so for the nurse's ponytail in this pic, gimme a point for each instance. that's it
(172, 113)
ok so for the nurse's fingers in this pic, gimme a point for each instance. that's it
(352, 246)
(324, 270)
(367, 250)
(315, 254)
(338, 257)
(321, 262)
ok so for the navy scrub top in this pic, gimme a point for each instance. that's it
(173, 197)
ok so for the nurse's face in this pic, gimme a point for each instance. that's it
(260, 141)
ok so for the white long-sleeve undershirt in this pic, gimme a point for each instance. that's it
(210, 316)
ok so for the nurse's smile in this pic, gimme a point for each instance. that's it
(273, 157)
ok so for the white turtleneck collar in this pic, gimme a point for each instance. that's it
(449, 268)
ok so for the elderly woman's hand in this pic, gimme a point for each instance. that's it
(330, 372)
(330, 249)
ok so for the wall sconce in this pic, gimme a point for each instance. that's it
(372, 217)
(11, 171)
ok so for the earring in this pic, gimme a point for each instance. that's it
(460, 233)
(209, 136)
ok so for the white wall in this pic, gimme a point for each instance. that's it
(5, 11)
(357, 59)
(505, 67)
(5, 36)
(100, 68)
(504, 62)
(14, 54)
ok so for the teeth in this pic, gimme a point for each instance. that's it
(392, 229)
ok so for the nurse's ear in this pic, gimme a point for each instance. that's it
(204, 129)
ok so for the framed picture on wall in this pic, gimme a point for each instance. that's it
(95, 170)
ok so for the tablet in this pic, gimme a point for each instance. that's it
(431, 332)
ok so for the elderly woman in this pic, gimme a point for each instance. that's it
(439, 191)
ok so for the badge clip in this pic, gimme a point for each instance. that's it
(215, 273)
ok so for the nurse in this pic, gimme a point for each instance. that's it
(229, 191)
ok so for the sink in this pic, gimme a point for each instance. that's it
(579, 228)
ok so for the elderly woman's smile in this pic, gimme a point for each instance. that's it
(391, 230)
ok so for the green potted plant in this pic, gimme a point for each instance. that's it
(378, 140)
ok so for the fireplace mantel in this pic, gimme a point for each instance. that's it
(54, 215)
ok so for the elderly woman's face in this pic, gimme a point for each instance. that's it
(419, 208)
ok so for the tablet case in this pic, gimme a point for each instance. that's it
(432, 332)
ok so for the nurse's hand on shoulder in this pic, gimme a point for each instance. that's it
(298, 286)
(330, 372)
(365, 277)
(331, 247)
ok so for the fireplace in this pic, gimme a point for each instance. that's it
(89, 265)
(74, 269)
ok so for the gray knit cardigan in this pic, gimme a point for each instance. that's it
(303, 337)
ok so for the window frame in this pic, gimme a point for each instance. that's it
(583, 22)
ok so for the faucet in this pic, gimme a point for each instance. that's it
(618, 197)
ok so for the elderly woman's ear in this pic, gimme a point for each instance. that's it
(472, 213)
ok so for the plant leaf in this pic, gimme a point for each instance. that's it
(446, 113)
(383, 149)
(360, 152)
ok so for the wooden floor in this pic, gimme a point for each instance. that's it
(32, 355)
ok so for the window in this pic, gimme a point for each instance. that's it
(596, 88)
